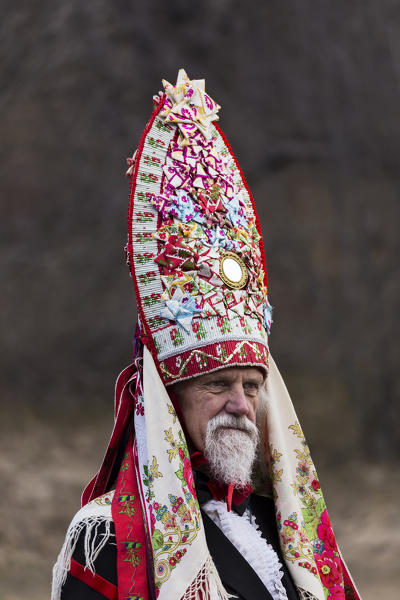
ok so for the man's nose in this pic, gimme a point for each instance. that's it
(237, 403)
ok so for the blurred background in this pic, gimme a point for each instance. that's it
(310, 98)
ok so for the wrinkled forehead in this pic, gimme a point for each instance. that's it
(230, 374)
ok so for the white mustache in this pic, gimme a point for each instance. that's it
(230, 421)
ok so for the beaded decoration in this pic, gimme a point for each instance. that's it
(194, 248)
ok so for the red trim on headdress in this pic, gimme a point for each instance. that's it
(241, 353)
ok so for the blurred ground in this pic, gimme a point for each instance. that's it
(44, 464)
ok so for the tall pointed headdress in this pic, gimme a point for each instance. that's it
(195, 249)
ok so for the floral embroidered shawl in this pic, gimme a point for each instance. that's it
(161, 543)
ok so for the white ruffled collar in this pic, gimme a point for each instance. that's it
(244, 533)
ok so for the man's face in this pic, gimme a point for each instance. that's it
(233, 391)
(219, 410)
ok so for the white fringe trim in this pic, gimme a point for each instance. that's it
(93, 545)
(207, 585)
(304, 595)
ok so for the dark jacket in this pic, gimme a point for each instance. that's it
(236, 574)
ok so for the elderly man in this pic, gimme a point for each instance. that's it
(219, 410)
(207, 488)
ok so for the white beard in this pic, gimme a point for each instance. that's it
(230, 447)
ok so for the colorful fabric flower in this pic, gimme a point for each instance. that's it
(179, 205)
(181, 308)
(318, 546)
(236, 212)
(325, 532)
(188, 476)
(177, 176)
(329, 568)
(218, 238)
(336, 593)
(175, 255)
(189, 106)
(214, 211)
(185, 209)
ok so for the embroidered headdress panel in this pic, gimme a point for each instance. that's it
(194, 247)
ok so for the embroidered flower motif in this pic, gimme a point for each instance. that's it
(325, 532)
(336, 593)
(329, 568)
(171, 522)
(318, 546)
(176, 337)
(180, 279)
(188, 475)
(302, 469)
(290, 524)
(152, 517)
(139, 409)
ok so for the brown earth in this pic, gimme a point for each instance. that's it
(44, 464)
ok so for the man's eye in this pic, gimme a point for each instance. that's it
(217, 384)
(252, 386)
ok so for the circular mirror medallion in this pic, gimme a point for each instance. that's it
(232, 271)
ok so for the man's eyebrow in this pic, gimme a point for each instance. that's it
(224, 378)
(255, 379)
(216, 378)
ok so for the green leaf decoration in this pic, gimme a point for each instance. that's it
(157, 539)
(308, 515)
(320, 507)
(311, 521)
(179, 474)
